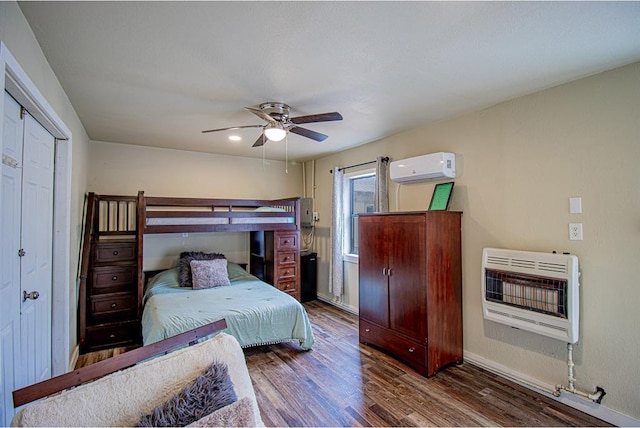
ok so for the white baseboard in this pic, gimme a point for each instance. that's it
(331, 301)
(74, 358)
(596, 410)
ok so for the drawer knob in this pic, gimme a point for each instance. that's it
(112, 336)
(115, 253)
(114, 277)
(412, 349)
(367, 330)
(286, 241)
(286, 258)
(114, 305)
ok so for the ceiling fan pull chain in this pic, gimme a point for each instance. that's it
(286, 154)
(264, 163)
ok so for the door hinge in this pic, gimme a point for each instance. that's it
(21, 252)
(23, 112)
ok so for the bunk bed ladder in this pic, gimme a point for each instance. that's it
(110, 309)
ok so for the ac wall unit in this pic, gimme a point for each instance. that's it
(425, 167)
(537, 292)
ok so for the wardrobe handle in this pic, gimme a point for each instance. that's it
(367, 330)
(412, 349)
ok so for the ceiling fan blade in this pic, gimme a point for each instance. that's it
(308, 133)
(261, 114)
(260, 141)
(232, 127)
(321, 117)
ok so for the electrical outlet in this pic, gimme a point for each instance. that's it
(575, 231)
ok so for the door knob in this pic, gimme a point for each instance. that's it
(33, 295)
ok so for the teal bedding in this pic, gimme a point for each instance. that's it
(256, 313)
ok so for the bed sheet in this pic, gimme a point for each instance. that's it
(256, 312)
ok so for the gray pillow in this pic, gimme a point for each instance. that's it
(209, 273)
(184, 265)
(209, 392)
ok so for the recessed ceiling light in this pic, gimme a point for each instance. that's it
(235, 137)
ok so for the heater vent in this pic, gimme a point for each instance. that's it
(532, 291)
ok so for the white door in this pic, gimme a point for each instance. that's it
(37, 243)
(9, 259)
(27, 237)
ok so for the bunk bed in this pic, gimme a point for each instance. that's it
(257, 313)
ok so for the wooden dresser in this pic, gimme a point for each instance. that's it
(109, 307)
(275, 259)
(410, 292)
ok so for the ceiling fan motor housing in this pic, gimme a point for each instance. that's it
(279, 111)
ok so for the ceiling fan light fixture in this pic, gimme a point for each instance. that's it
(275, 132)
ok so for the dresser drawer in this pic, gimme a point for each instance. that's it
(111, 335)
(286, 272)
(287, 241)
(113, 306)
(113, 252)
(287, 258)
(413, 353)
(111, 279)
(287, 286)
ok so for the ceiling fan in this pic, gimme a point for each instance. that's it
(279, 123)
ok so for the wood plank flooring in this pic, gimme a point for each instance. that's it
(343, 383)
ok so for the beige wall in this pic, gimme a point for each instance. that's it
(16, 34)
(518, 164)
(121, 169)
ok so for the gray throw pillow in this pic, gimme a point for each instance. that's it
(184, 264)
(209, 392)
(209, 273)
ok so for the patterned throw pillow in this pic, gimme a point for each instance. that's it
(209, 392)
(184, 265)
(209, 273)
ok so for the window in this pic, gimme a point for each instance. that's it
(359, 197)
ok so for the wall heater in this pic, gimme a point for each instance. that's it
(537, 292)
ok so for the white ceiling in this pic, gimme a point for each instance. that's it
(158, 73)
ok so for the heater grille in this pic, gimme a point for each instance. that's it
(532, 291)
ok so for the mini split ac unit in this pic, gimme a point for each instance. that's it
(425, 167)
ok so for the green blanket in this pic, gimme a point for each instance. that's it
(256, 313)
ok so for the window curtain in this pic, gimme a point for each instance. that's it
(336, 284)
(382, 185)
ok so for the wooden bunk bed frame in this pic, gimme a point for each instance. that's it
(112, 280)
(229, 214)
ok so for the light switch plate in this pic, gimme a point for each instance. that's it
(575, 205)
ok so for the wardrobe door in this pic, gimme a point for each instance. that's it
(407, 285)
(373, 268)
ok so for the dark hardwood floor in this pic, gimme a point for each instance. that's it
(343, 383)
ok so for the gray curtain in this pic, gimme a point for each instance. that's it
(382, 185)
(336, 284)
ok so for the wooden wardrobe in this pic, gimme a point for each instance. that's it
(410, 293)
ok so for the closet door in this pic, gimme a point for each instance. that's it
(9, 259)
(37, 240)
(26, 257)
